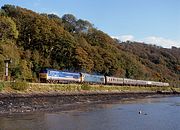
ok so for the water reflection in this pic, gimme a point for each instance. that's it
(161, 113)
(22, 122)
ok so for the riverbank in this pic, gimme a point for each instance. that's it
(36, 97)
(28, 88)
(25, 103)
(157, 113)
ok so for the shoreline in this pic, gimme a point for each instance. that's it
(54, 101)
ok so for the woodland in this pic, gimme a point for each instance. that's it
(34, 41)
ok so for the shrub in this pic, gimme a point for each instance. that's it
(19, 85)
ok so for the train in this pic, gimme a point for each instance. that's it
(57, 76)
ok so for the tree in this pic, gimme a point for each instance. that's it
(83, 61)
(25, 69)
(70, 22)
(75, 26)
(8, 28)
(10, 10)
(83, 25)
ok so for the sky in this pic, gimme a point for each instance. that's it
(150, 21)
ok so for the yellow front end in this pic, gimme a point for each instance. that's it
(43, 77)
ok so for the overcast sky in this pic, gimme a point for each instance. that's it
(150, 21)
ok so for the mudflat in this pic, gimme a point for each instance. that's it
(36, 102)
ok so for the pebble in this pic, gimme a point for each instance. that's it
(1, 102)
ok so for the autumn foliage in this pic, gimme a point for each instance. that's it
(34, 41)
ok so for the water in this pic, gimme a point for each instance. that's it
(157, 114)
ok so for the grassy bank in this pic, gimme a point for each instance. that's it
(24, 87)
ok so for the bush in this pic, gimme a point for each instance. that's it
(85, 87)
(19, 85)
(1, 86)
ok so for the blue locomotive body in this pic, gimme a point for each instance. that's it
(88, 78)
(50, 75)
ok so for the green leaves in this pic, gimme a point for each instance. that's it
(8, 28)
(75, 26)
(34, 41)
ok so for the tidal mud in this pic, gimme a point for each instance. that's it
(24, 103)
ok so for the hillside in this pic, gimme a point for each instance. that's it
(162, 63)
(34, 41)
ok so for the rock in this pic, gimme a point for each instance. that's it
(1, 102)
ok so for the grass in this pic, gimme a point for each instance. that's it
(85, 87)
(1, 86)
(24, 87)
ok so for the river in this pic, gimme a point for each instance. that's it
(157, 113)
